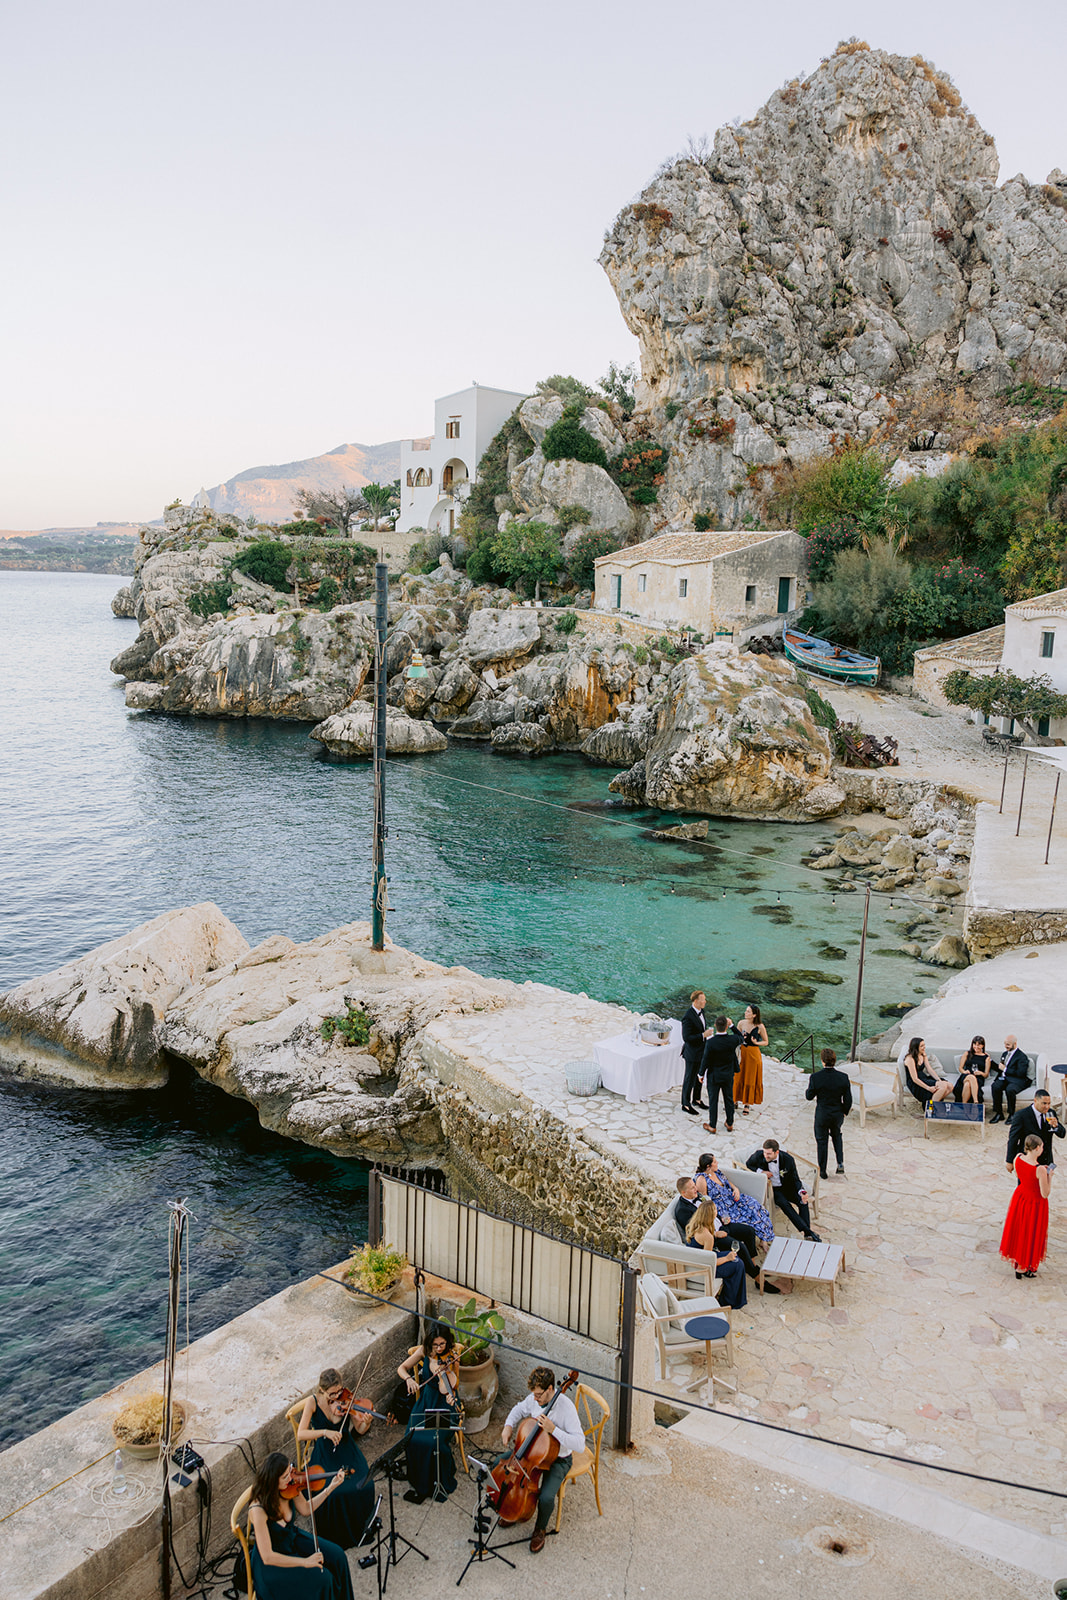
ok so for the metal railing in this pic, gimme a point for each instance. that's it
(791, 1055)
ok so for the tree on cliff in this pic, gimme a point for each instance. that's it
(340, 507)
(528, 553)
(1004, 694)
(383, 499)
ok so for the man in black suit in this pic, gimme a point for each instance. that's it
(718, 1066)
(1040, 1119)
(694, 1032)
(789, 1196)
(736, 1236)
(832, 1093)
(1010, 1081)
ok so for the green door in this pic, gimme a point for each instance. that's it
(616, 591)
(784, 585)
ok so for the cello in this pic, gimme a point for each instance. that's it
(517, 1481)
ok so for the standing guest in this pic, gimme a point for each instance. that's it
(748, 1080)
(737, 1208)
(564, 1422)
(704, 1232)
(719, 1065)
(346, 1515)
(832, 1093)
(430, 1375)
(923, 1082)
(694, 1032)
(1025, 1235)
(1040, 1120)
(974, 1070)
(789, 1194)
(1011, 1080)
(285, 1563)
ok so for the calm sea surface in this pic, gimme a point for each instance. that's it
(111, 817)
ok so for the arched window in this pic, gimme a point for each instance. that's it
(424, 477)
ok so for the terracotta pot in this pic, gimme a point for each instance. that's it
(149, 1452)
(478, 1387)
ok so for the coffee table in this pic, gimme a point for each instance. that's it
(712, 1330)
(802, 1258)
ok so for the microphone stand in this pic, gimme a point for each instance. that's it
(482, 1551)
(388, 1541)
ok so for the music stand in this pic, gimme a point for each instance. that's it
(482, 1550)
(389, 1540)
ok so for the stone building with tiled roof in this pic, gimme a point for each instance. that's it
(1031, 642)
(735, 583)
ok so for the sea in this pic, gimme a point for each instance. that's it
(521, 870)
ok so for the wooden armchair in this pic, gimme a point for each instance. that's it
(240, 1533)
(593, 1412)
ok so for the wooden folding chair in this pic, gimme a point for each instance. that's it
(588, 1404)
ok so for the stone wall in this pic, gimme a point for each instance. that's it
(990, 932)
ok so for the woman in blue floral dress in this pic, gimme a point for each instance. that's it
(731, 1204)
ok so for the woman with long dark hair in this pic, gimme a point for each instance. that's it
(346, 1516)
(974, 1070)
(922, 1080)
(430, 1373)
(748, 1080)
(285, 1563)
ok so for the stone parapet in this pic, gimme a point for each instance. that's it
(990, 931)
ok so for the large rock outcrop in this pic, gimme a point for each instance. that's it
(735, 736)
(542, 488)
(846, 246)
(349, 735)
(95, 1023)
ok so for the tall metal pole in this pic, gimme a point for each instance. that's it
(1052, 818)
(859, 980)
(381, 618)
(1022, 791)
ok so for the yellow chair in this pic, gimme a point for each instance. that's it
(238, 1530)
(301, 1448)
(588, 1403)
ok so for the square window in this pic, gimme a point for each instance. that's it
(1048, 640)
(642, 582)
(683, 587)
(452, 428)
(750, 594)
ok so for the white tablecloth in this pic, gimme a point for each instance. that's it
(640, 1070)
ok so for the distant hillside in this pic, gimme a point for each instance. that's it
(109, 547)
(266, 492)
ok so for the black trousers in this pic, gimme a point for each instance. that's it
(727, 1091)
(743, 1239)
(797, 1211)
(693, 1083)
(827, 1127)
(1002, 1089)
(550, 1483)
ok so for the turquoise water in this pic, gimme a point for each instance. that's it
(112, 817)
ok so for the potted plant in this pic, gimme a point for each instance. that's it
(479, 1380)
(138, 1425)
(376, 1267)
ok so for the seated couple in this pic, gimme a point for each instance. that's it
(735, 1241)
(926, 1083)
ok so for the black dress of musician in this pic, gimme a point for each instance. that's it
(285, 1563)
(346, 1514)
(430, 1374)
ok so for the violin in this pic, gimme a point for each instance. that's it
(363, 1408)
(517, 1481)
(312, 1480)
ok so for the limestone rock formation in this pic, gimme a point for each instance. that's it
(521, 739)
(349, 735)
(577, 689)
(847, 245)
(500, 638)
(735, 736)
(123, 605)
(541, 488)
(95, 1023)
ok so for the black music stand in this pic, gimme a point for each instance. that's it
(389, 1539)
(482, 1550)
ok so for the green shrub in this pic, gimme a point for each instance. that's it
(1036, 560)
(641, 655)
(211, 599)
(572, 391)
(704, 521)
(267, 562)
(527, 552)
(353, 1028)
(851, 484)
(572, 516)
(581, 563)
(822, 711)
(328, 595)
(567, 440)
(618, 383)
(826, 542)
(568, 623)
(641, 466)
(671, 410)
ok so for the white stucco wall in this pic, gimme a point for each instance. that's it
(481, 413)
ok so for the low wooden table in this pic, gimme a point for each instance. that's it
(802, 1258)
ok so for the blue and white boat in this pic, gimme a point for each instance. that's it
(831, 660)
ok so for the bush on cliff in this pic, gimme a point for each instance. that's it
(528, 553)
(581, 563)
(212, 599)
(267, 562)
(567, 440)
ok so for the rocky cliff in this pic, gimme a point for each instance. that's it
(845, 249)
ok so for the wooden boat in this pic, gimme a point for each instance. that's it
(831, 660)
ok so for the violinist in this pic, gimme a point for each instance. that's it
(430, 1373)
(565, 1423)
(330, 1426)
(285, 1563)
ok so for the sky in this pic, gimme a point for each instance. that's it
(241, 232)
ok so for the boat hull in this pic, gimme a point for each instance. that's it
(817, 655)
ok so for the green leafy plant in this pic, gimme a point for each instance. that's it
(572, 516)
(1004, 694)
(568, 623)
(671, 410)
(704, 521)
(581, 563)
(618, 384)
(641, 655)
(476, 1331)
(567, 440)
(353, 1028)
(642, 466)
(267, 561)
(375, 1267)
(211, 599)
(328, 595)
(527, 552)
(572, 391)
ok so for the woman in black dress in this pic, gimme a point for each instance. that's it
(922, 1080)
(430, 1374)
(974, 1070)
(332, 1436)
(285, 1563)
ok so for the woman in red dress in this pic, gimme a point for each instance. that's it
(1026, 1225)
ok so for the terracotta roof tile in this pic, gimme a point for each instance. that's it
(985, 646)
(686, 546)
(1055, 600)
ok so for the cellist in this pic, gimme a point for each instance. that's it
(564, 1423)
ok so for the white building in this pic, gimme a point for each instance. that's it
(436, 474)
(1031, 642)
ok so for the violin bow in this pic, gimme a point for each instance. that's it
(357, 1385)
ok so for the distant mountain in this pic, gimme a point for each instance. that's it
(267, 492)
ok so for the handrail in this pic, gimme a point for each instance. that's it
(791, 1055)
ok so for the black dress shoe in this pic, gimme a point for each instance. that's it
(703, 1104)
(414, 1497)
(840, 1172)
(824, 1175)
(690, 1110)
(996, 1117)
(813, 1238)
(771, 1288)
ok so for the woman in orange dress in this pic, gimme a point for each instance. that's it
(1025, 1233)
(748, 1079)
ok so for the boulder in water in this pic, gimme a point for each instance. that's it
(349, 735)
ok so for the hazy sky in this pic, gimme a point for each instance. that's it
(242, 233)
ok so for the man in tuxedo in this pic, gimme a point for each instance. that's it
(1012, 1078)
(694, 1032)
(832, 1093)
(731, 1236)
(789, 1195)
(718, 1066)
(1040, 1119)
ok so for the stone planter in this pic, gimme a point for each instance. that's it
(478, 1387)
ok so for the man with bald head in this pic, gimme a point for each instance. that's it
(1011, 1080)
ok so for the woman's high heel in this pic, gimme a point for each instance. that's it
(1018, 1274)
